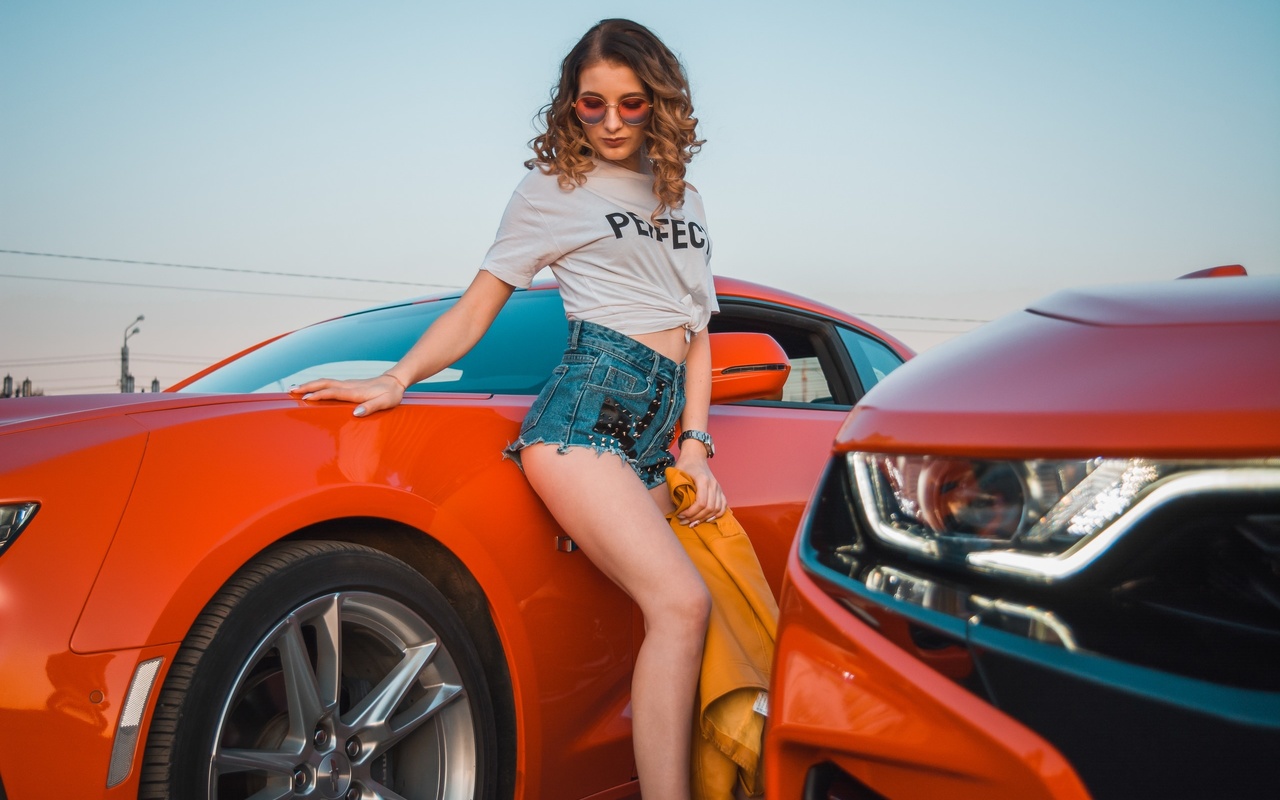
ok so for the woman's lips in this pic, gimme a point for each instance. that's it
(615, 142)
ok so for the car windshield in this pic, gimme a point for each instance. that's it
(515, 356)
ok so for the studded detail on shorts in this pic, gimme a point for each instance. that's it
(612, 394)
(655, 405)
(617, 422)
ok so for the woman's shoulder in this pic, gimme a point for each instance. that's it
(693, 201)
(537, 185)
(536, 173)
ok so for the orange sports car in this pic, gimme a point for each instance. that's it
(225, 592)
(1044, 562)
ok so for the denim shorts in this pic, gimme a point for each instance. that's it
(612, 394)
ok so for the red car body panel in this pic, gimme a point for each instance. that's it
(888, 718)
(149, 504)
(1080, 374)
(1184, 369)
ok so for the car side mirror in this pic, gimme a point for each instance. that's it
(1224, 271)
(747, 366)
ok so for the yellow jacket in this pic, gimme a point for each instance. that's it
(738, 655)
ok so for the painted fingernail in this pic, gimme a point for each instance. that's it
(306, 397)
(359, 412)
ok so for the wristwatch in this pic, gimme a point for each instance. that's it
(701, 436)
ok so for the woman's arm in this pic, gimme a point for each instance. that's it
(710, 502)
(445, 341)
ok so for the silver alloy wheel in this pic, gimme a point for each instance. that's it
(348, 695)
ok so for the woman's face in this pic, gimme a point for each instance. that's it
(613, 139)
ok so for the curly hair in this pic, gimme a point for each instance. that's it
(671, 134)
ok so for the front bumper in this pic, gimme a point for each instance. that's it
(898, 680)
(60, 721)
(853, 715)
(60, 709)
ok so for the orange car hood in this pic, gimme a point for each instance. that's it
(1176, 369)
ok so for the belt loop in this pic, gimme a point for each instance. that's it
(575, 326)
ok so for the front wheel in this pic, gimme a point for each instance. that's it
(324, 670)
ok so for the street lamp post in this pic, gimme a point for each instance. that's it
(126, 380)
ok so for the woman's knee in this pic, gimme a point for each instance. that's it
(687, 606)
(702, 606)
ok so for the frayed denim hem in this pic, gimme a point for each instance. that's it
(512, 452)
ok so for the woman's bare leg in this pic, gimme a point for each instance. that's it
(605, 508)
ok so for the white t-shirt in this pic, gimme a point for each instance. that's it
(615, 267)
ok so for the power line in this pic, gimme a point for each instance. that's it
(327, 278)
(112, 388)
(90, 356)
(230, 269)
(341, 278)
(176, 361)
(87, 358)
(49, 362)
(194, 289)
(46, 364)
(75, 378)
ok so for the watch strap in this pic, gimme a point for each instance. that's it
(703, 438)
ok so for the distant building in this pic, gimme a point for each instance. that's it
(24, 390)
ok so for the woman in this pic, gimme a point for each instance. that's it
(605, 205)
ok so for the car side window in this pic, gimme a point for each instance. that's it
(515, 356)
(807, 383)
(872, 358)
(816, 379)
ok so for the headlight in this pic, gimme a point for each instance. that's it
(13, 518)
(1037, 519)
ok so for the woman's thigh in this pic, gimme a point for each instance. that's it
(604, 506)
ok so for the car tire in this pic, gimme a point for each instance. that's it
(324, 669)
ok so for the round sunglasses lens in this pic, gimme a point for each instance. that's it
(590, 110)
(633, 111)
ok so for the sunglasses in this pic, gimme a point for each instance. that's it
(631, 110)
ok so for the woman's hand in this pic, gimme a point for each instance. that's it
(710, 501)
(370, 394)
(443, 342)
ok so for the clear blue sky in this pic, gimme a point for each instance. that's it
(897, 159)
